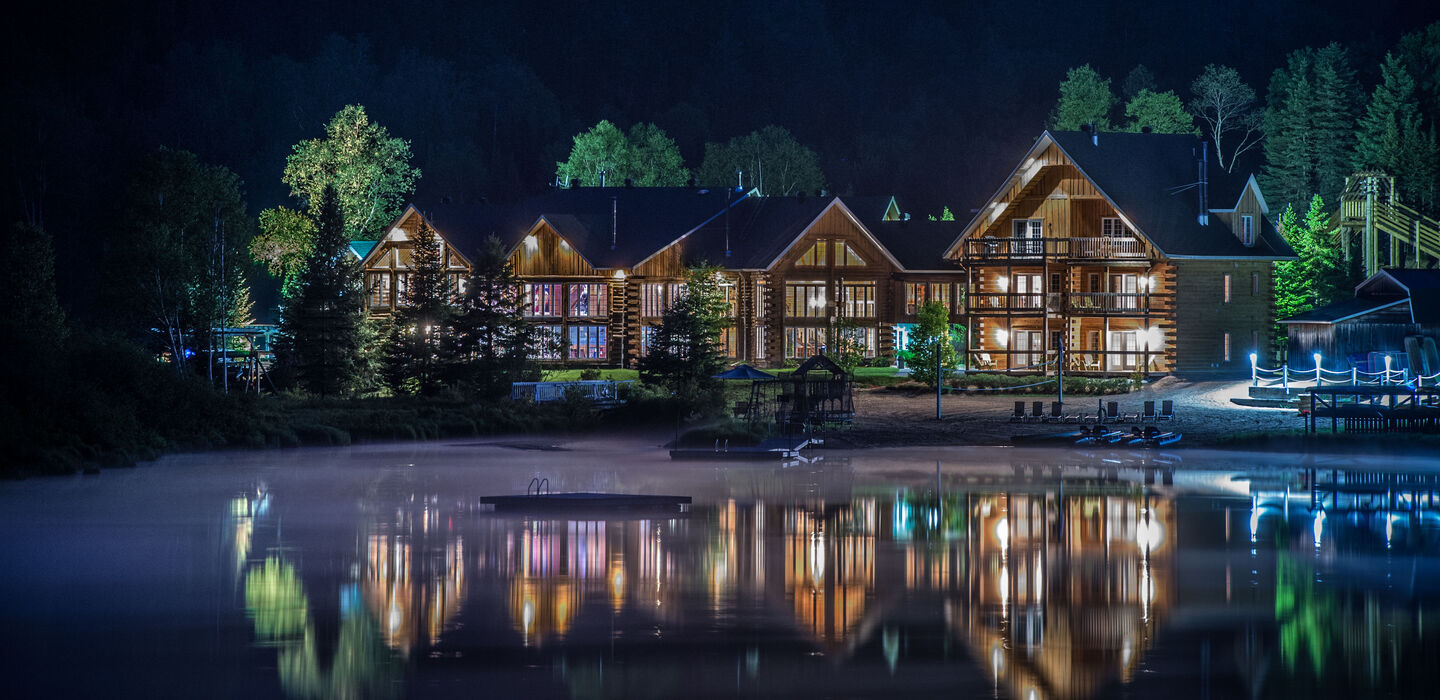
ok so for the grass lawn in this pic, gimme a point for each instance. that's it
(573, 375)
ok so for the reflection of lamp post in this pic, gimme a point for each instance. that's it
(1386, 378)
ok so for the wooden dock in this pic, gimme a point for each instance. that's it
(775, 449)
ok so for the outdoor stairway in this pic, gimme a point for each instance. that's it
(1414, 239)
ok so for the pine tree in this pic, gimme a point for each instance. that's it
(1337, 100)
(1318, 275)
(685, 351)
(1392, 108)
(931, 335)
(1289, 177)
(422, 340)
(492, 337)
(319, 329)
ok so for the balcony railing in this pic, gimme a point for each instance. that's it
(1118, 303)
(1105, 248)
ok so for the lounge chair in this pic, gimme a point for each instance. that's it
(1037, 410)
(1019, 413)
(1167, 410)
(1112, 411)
(1130, 417)
(1149, 412)
(1057, 413)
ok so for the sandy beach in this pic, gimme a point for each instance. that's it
(1202, 408)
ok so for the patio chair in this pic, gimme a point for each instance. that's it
(983, 361)
(1149, 413)
(1037, 410)
(1057, 412)
(1167, 410)
(1112, 411)
(1130, 417)
(1019, 413)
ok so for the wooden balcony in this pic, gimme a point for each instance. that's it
(1023, 250)
(1077, 303)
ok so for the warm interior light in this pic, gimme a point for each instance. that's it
(531, 243)
(1002, 337)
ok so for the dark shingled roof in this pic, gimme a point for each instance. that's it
(917, 244)
(1152, 178)
(1341, 310)
(646, 219)
(1424, 286)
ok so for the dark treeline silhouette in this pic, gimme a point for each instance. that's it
(928, 99)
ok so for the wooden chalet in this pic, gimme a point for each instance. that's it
(1130, 248)
(599, 266)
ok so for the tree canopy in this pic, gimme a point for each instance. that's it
(770, 160)
(1318, 275)
(933, 334)
(1085, 98)
(369, 169)
(605, 155)
(1162, 112)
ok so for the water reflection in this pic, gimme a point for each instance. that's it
(1028, 581)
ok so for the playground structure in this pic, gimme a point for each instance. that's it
(1370, 207)
(799, 402)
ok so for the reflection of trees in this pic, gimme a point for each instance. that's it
(359, 667)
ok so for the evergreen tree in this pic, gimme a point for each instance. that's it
(422, 340)
(1391, 136)
(1337, 100)
(1162, 112)
(492, 336)
(1318, 275)
(1085, 98)
(319, 329)
(685, 352)
(932, 334)
(1309, 125)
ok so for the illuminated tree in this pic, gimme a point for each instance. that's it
(1226, 104)
(933, 334)
(285, 240)
(1162, 112)
(1085, 98)
(655, 159)
(770, 160)
(369, 169)
(1318, 275)
(647, 156)
(421, 339)
(685, 351)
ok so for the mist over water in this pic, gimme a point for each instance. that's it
(374, 571)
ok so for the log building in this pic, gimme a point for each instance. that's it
(1122, 245)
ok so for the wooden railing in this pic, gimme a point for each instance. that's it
(1074, 302)
(1105, 248)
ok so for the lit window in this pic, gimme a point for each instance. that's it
(589, 300)
(730, 293)
(379, 289)
(914, 297)
(857, 300)
(805, 300)
(1226, 342)
(647, 339)
(730, 341)
(587, 342)
(542, 299)
(546, 343)
(1113, 227)
(846, 256)
(861, 340)
(804, 342)
(815, 257)
(1247, 230)
(1226, 292)
(1254, 284)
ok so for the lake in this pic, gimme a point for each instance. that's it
(375, 571)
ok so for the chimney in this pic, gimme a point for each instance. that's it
(614, 210)
(1204, 216)
(1094, 135)
(629, 182)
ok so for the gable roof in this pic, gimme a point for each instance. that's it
(1343, 310)
(1422, 287)
(1152, 181)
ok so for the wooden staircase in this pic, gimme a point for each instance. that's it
(1369, 206)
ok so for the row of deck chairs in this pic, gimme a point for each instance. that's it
(1111, 414)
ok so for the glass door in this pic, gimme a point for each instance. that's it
(1124, 349)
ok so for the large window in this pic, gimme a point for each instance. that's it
(803, 342)
(1225, 291)
(815, 256)
(379, 285)
(805, 300)
(589, 300)
(656, 297)
(918, 294)
(861, 339)
(647, 339)
(857, 300)
(587, 342)
(731, 294)
(1029, 234)
(730, 341)
(1113, 227)
(542, 299)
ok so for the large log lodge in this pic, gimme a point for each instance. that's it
(1128, 248)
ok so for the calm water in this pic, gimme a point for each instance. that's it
(374, 572)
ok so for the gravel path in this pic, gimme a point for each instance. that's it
(888, 417)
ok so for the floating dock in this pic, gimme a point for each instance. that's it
(777, 449)
(587, 501)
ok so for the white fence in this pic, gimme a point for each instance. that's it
(1282, 376)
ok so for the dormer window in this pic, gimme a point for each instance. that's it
(1247, 230)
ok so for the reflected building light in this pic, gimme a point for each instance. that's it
(1004, 584)
(1254, 523)
(997, 660)
(1319, 526)
(1002, 534)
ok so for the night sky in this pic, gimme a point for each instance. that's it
(932, 101)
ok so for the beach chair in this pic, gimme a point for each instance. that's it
(1149, 413)
(1057, 412)
(1019, 413)
(1167, 410)
(1112, 412)
(1037, 410)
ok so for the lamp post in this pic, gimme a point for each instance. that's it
(1317, 368)
(1254, 374)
